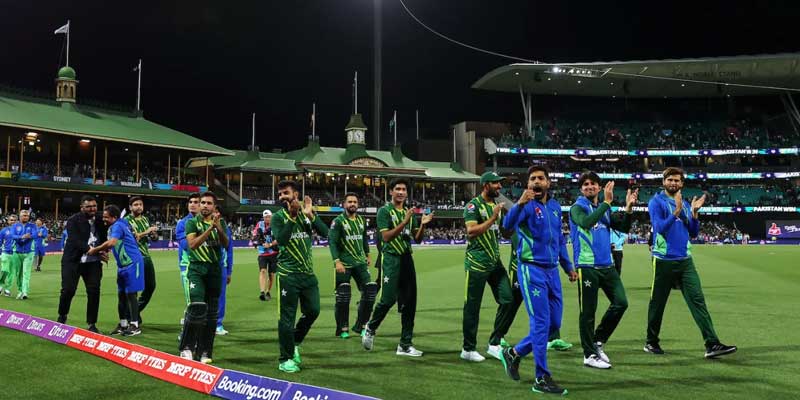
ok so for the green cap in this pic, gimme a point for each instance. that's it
(490, 177)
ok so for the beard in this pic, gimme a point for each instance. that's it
(672, 190)
(492, 194)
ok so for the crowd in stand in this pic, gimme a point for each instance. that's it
(84, 171)
(561, 133)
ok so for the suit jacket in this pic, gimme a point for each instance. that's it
(78, 231)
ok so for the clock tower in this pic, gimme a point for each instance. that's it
(356, 131)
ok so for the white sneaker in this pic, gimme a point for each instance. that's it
(595, 362)
(367, 339)
(205, 359)
(7, 293)
(187, 354)
(182, 321)
(495, 351)
(221, 331)
(473, 356)
(410, 351)
(22, 296)
(601, 353)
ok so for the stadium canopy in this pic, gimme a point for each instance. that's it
(671, 78)
(86, 122)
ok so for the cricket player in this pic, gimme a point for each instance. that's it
(226, 263)
(617, 246)
(193, 205)
(675, 221)
(590, 223)
(6, 277)
(293, 227)
(206, 237)
(40, 243)
(130, 269)
(395, 223)
(482, 264)
(267, 248)
(349, 248)
(536, 218)
(142, 230)
(23, 233)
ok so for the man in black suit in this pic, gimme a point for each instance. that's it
(84, 231)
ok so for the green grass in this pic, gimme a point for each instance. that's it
(751, 293)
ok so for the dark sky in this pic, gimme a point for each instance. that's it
(209, 64)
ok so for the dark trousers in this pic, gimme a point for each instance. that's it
(590, 282)
(665, 275)
(399, 286)
(92, 274)
(205, 283)
(617, 255)
(294, 289)
(149, 283)
(497, 278)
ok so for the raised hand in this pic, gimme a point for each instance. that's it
(527, 196)
(631, 198)
(496, 211)
(427, 218)
(308, 207)
(608, 192)
(698, 202)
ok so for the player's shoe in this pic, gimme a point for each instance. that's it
(38, 269)
(409, 351)
(503, 343)
(118, 330)
(262, 296)
(62, 319)
(289, 366)
(602, 354)
(92, 328)
(132, 330)
(653, 349)
(595, 362)
(510, 362)
(205, 359)
(268, 296)
(719, 349)
(22, 296)
(558, 344)
(296, 357)
(344, 335)
(187, 354)
(473, 356)
(546, 384)
(221, 331)
(368, 339)
(7, 293)
(494, 351)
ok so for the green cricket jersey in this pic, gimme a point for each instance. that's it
(513, 263)
(483, 251)
(139, 225)
(211, 250)
(388, 218)
(348, 240)
(294, 241)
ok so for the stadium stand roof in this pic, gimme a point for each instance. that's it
(46, 115)
(353, 159)
(672, 78)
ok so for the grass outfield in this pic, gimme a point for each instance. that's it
(751, 292)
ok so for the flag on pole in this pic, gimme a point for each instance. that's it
(64, 29)
(136, 68)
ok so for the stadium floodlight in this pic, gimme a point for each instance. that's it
(85, 141)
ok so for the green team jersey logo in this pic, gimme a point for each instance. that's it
(296, 255)
(350, 239)
(139, 225)
(388, 218)
(211, 250)
(483, 251)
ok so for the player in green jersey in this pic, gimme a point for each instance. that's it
(482, 263)
(293, 227)
(206, 237)
(395, 224)
(349, 248)
(142, 230)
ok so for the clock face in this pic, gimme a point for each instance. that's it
(356, 136)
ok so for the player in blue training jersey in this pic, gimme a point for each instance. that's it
(39, 243)
(6, 279)
(130, 269)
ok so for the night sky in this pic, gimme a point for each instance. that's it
(209, 64)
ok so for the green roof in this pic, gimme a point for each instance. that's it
(94, 123)
(448, 171)
(66, 73)
(252, 161)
